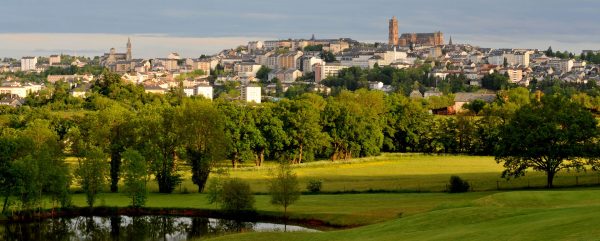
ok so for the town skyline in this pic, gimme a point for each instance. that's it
(205, 28)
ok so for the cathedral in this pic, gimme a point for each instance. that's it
(113, 57)
(410, 39)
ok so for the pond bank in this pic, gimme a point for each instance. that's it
(175, 212)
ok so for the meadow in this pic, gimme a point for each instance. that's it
(401, 196)
(394, 172)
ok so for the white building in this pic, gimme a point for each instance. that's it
(204, 90)
(255, 45)
(496, 59)
(19, 90)
(309, 62)
(28, 63)
(361, 61)
(251, 94)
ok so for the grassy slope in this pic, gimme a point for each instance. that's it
(527, 215)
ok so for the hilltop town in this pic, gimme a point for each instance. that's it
(263, 70)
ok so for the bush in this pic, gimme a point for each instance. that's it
(458, 185)
(236, 196)
(314, 186)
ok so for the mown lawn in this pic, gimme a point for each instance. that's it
(516, 215)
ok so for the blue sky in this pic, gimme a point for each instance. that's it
(193, 27)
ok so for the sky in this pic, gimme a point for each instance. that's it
(195, 27)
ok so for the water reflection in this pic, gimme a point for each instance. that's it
(125, 228)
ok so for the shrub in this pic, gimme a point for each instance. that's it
(458, 185)
(236, 196)
(314, 186)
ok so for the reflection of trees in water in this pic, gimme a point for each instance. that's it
(144, 228)
(231, 226)
(51, 230)
(198, 228)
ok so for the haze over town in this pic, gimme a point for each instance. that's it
(192, 28)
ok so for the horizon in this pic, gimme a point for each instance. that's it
(193, 28)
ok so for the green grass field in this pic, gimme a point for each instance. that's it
(402, 173)
(419, 210)
(515, 215)
(398, 173)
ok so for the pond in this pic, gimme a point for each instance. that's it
(140, 228)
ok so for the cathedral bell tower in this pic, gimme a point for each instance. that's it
(128, 57)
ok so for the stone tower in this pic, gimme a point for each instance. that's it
(393, 32)
(128, 57)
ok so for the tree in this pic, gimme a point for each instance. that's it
(475, 106)
(273, 138)
(284, 187)
(550, 135)
(241, 131)
(327, 56)
(263, 74)
(135, 175)
(158, 140)
(549, 52)
(91, 174)
(39, 168)
(353, 123)
(202, 127)
(109, 130)
(495, 81)
(407, 124)
(301, 120)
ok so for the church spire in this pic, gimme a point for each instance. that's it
(129, 49)
(450, 43)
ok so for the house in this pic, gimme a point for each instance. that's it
(54, 59)
(246, 69)
(155, 89)
(174, 56)
(285, 75)
(202, 64)
(307, 63)
(70, 78)
(19, 90)
(81, 91)
(431, 93)
(416, 94)
(322, 71)
(12, 100)
(289, 60)
(462, 98)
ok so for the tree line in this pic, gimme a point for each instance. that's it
(130, 135)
